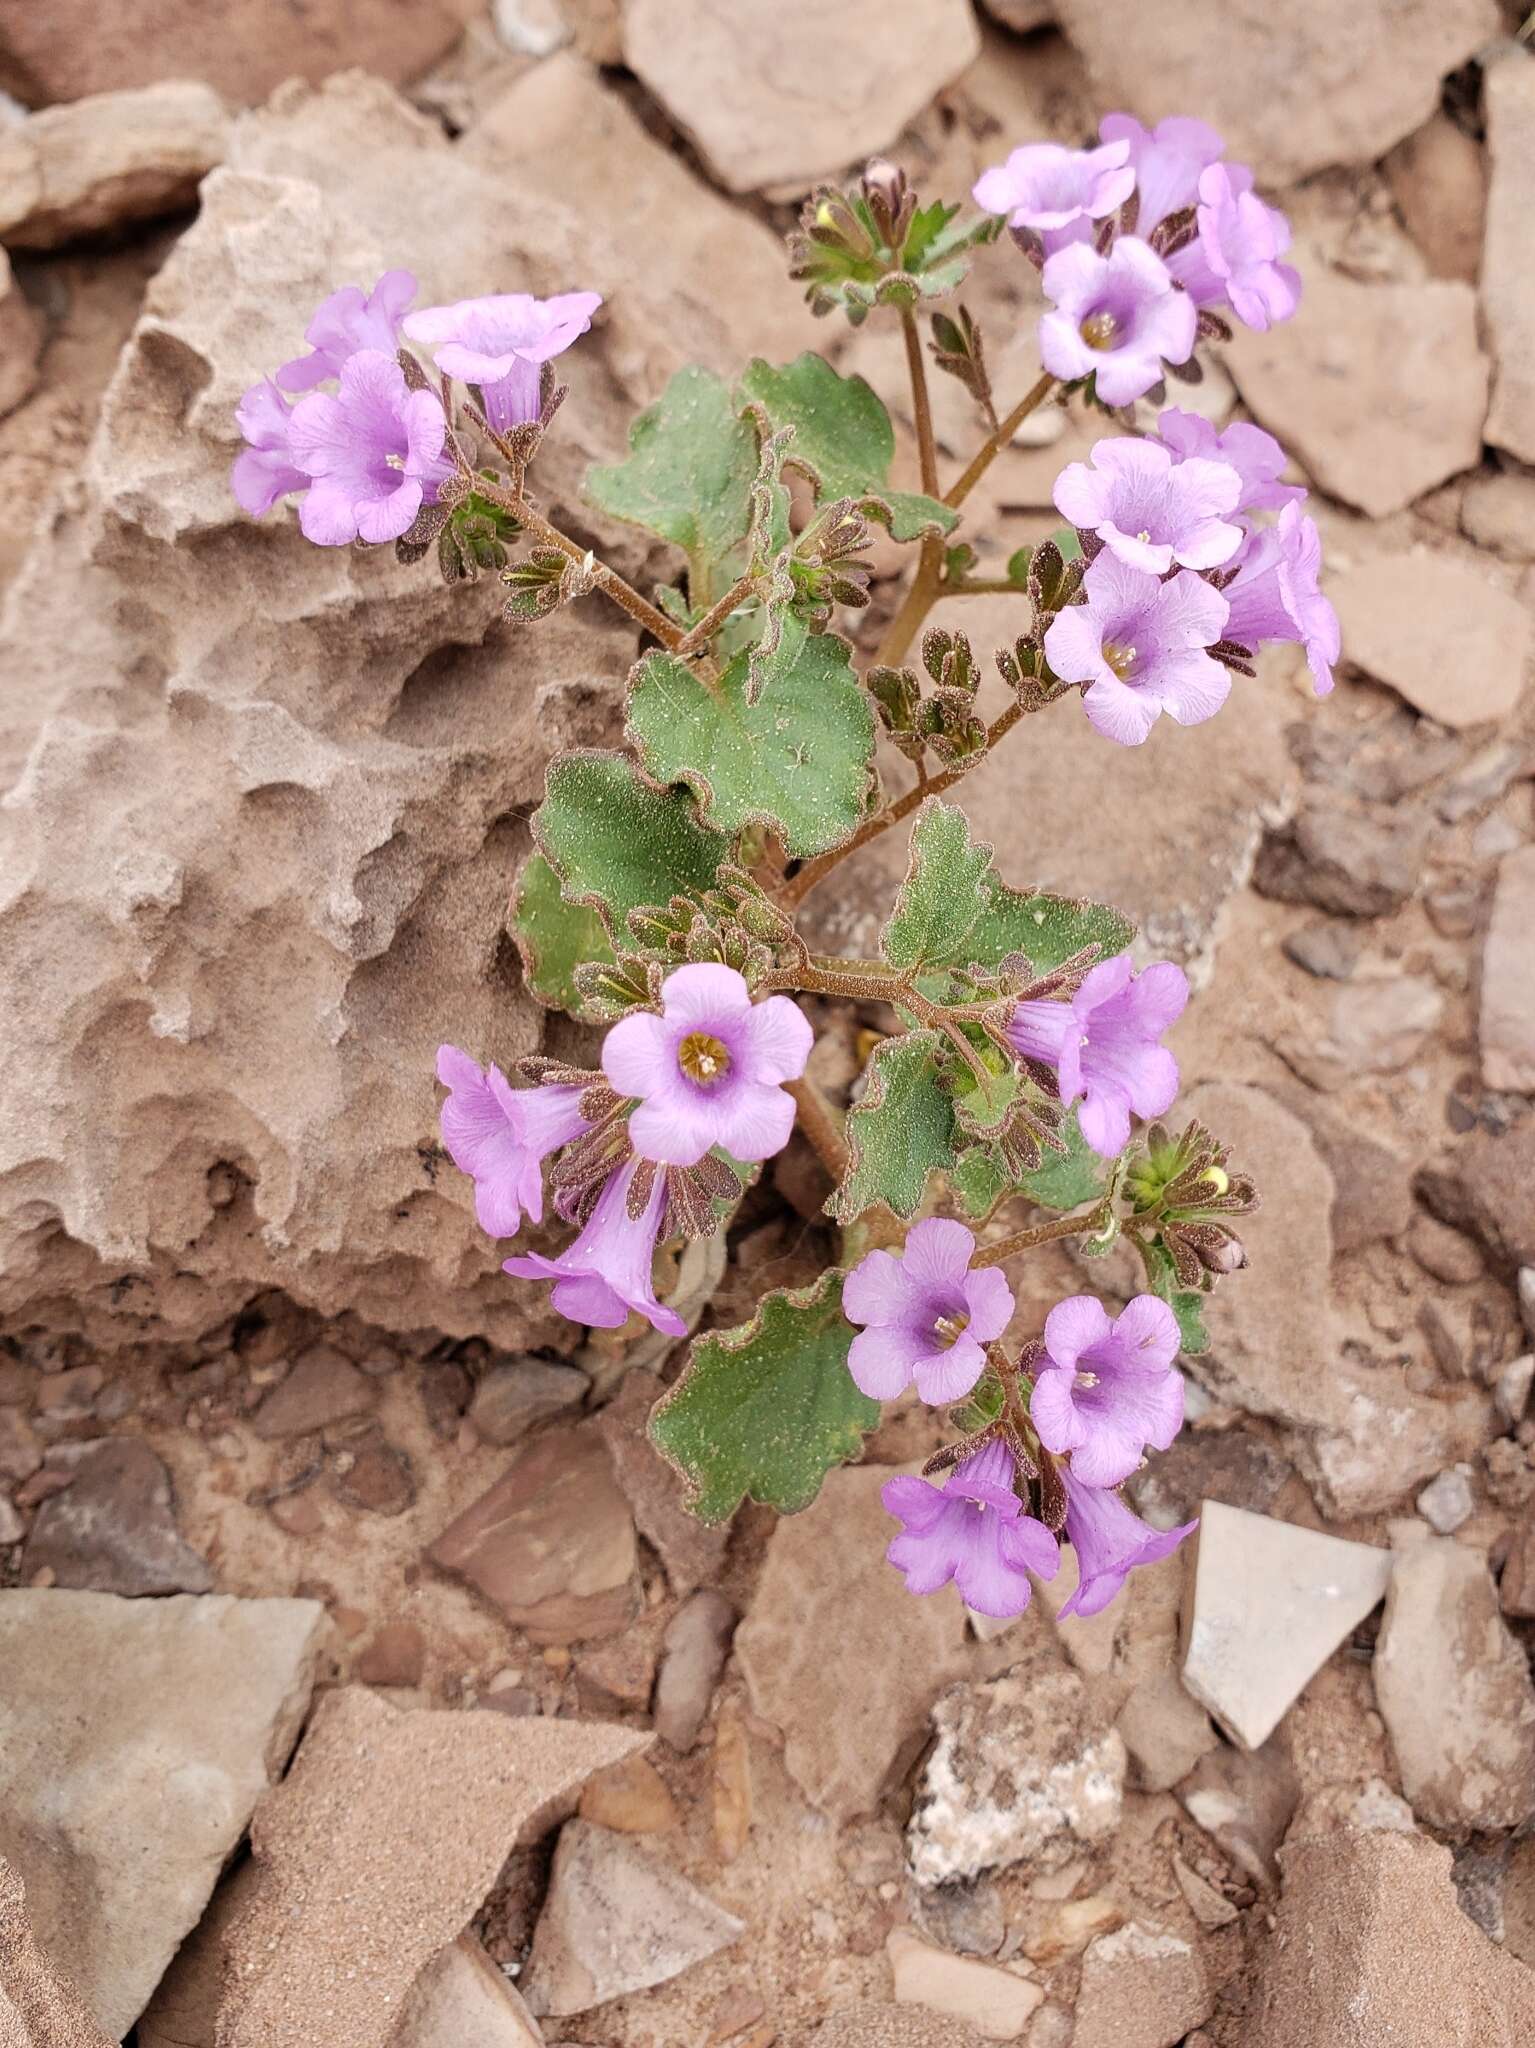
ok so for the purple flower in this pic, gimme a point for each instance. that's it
(1140, 647)
(500, 1136)
(606, 1272)
(1103, 1045)
(501, 343)
(264, 471)
(1119, 316)
(1105, 1389)
(707, 1069)
(1150, 509)
(1256, 456)
(347, 322)
(1235, 261)
(1167, 161)
(1110, 1542)
(973, 1530)
(1276, 595)
(373, 450)
(1058, 192)
(927, 1316)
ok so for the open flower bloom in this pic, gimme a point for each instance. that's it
(1167, 161)
(1235, 261)
(1058, 192)
(1277, 595)
(1106, 1389)
(707, 1070)
(502, 343)
(500, 1136)
(606, 1272)
(1150, 509)
(1110, 1541)
(927, 1317)
(973, 1530)
(1256, 456)
(1141, 647)
(374, 451)
(264, 470)
(1104, 1045)
(346, 322)
(1118, 316)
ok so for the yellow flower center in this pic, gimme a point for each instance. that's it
(1120, 659)
(1100, 331)
(703, 1058)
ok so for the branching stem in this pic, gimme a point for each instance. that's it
(1043, 1233)
(995, 442)
(821, 1126)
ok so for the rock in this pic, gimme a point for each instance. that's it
(102, 162)
(1438, 631)
(1140, 1989)
(1271, 1603)
(1454, 1690)
(693, 1653)
(1325, 948)
(461, 2000)
(395, 1656)
(1508, 295)
(996, 2003)
(785, 97)
(1373, 1026)
(1438, 178)
(1487, 1185)
(323, 1388)
(373, 1474)
(1413, 347)
(1511, 1389)
(631, 1798)
(38, 2009)
(1244, 1800)
(551, 1544)
(615, 1922)
(1519, 1901)
(113, 1528)
(512, 1397)
(12, 1528)
(71, 52)
(1506, 1027)
(1021, 16)
(887, 2026)
(848, 1718)
(1351, 862)
(1365, 1950)
(21, 1450)
(1445, 1254)
(967, 1919)
(1022, 1768)
(135, 1739)
(1498, 512)
(21, 336)
(1211, 1908)
(461, 1788)
(1165, 1733)
(1236, 1466)
(1448, 1501)
(624, 1666)
(693, 1552)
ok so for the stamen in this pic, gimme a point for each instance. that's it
(1100, 330)
(704, 1058)
(1120, 659)
(952, 1328)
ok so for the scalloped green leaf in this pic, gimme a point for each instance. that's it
(798, 759)
(843, 439)
(615, 843)
(1069, 1179)
(764, 1411)
(901, 1131)
(553, 936)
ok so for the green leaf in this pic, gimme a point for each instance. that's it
(901, 1131)
(843, 440)
(979, 1179)
(1186, 1303)
(799, 759)
(764, 1411)
(554, 937)
(1069, 1179)
(617, 844)
(688, 477)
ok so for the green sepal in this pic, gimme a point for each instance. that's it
(616, 843)
(1186, 1303)
(555, 937)
(901, 1131)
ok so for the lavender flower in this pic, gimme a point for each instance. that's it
(1151, 510)
(264, 471)
(1256, 456)
(501, 344)
(374, 451)
(1118, 317)
(1057, 192)
(1110, 1541)
(500, 1136)
(1140, 646)
(347, 322)
(1236, 258)
(707, 1069)
(606, 1272)
(928, 1317)
(1103, 1045)
(1105, 1389)
(973, 1530)
(1167, 161)
(1276, 595)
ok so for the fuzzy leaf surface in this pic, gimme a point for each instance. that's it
(554, 937)
(1186, 1303)
(615, 843)
(901, 1131)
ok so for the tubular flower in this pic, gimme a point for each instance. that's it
(1277, 595)
(1256, 456)
(347, 322)
(1235, 261)
(1110, 1541)
(606, 1272)
(373, 450)
(1150, 509)
(1167, 161)
(502, 343)
(973, 1530)
(1104, 1046)
(1058, 192)
(264, 471)
(1106, 1389)
(500, 1136)
(927, 1316)
(1117, 318)
(1142, 648)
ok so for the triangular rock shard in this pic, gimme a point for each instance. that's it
(1271, 1603)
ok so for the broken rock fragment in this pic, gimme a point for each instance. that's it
(101, 162)
(113, 1527)
(1508, 292)
(1438, 630)
(693, 1653)
(38, 2009)
(1140, 1989)
(997, 2003)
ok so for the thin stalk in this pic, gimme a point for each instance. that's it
(927, 452)
(821, 1125)
(995, 442)
(698, 637)
(1042, 1233)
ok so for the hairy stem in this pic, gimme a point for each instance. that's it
(1042, 1233)
(995, 442)
(927, 452)
(698, 637)
(821, 1125)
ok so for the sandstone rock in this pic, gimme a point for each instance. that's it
(38, 2009)
(1271, 1603)
(102, 162)
(113, 1528)
(1236, 1466)
(838, 1653)
(1448, 1255)
(1140, 1989)
(693, 1552)
(615, 1921)
(135, 1738)
(374, 1475)
(1022, 1769)
(395, 1656)
(21, 337)
(631, 1798)
(512, 1397)
(551, 1543)
(1448, 1501)
(1164, 1731)
(1326, 948)
(1487, 1185)
(1370, 1947)
(21, 1450)
(1438, 178)
(1244, 1800)
(1519, 1902)
(1371, 1026)
(1438, 631)
(1413, 347)
(1498, 511)
(1351, 862)
(1454, 1690)
(460, 1788)
(1511, 1389)
(70, 50)
(783, 97)
(324, 1387)
(1506, 1027)
(996, 2003)
(1508, 294)
(693, 1654)
(887, 2026)
(461, 2000)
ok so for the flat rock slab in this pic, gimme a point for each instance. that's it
(1506, 1027)
(1508, 288)
(1271, 1603)
(135, 1738)
(997, 2003)
(1439, 631)
(37, 2008)
(461, 2000)
(97, 163)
